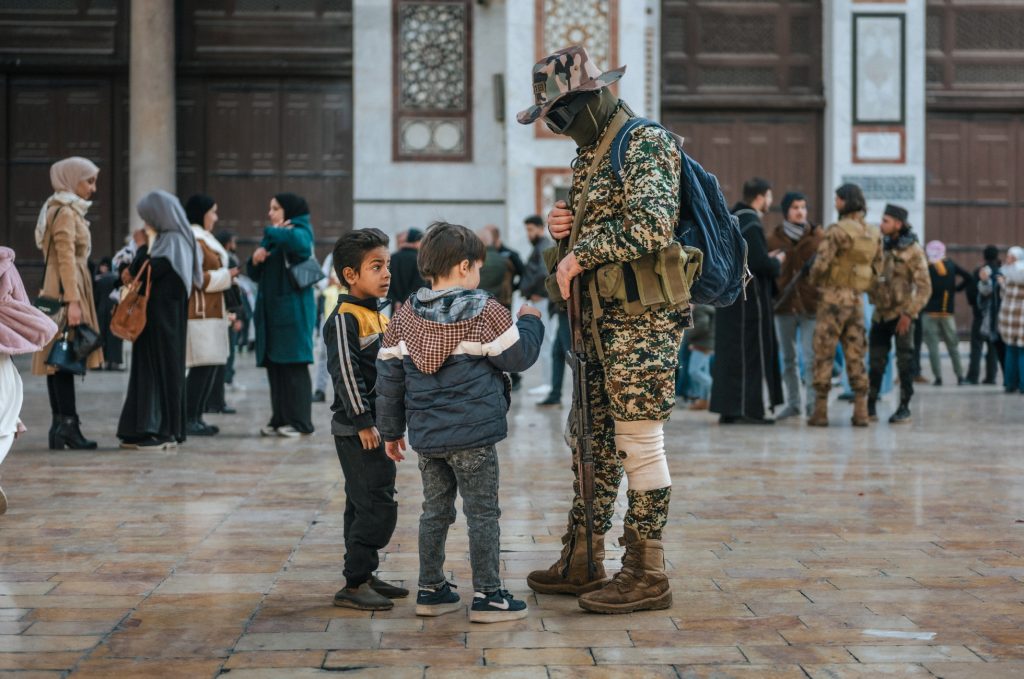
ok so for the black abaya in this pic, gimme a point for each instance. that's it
(746, 352)
(291, 395)
(155, 403)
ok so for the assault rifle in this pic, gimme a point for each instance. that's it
(580, 420)
(790, 288)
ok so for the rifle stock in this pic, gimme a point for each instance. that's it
(581, 422)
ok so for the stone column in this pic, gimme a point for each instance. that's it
(151, 135)
(871, 137)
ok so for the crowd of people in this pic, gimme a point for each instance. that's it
(810, 312)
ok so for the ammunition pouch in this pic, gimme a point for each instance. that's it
(659, 280)
(551, 258)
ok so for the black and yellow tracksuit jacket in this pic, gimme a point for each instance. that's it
(353, 332)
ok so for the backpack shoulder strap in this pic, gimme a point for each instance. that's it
(621, 142)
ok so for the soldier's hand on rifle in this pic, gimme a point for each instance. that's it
(903, 325)
(527, 310)
(393, 449)
(568, 269)
(370, 438)
(560, 220)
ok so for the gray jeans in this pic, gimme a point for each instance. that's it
(788, 326)
(473, 473)
(942, 328)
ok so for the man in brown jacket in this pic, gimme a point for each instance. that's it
(899, 295)
(795, 309)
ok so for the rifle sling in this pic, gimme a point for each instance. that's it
(620, 118)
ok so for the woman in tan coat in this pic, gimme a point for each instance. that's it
(201, 211)
(62, 234)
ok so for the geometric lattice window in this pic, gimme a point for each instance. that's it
(975, 48)
(432, 80)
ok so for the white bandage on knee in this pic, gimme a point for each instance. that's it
(643, 443)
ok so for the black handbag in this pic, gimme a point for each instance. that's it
(62, 356)
(84, 341)
(304, 274)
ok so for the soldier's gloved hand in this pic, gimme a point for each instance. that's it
(568, 269)
(560, 220)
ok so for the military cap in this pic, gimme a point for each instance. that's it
(566, 72)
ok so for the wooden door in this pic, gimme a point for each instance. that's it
(48, 120)
(784, 148)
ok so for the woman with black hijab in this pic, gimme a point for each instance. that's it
(285, 316)
(153, 416)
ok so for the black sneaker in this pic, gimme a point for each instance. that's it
(872, 410)
(362, 598)
(937, 382)
(200, 428)
(497, 606)
(319, 396)
(434, 602)
(387, 589)
(901, 416)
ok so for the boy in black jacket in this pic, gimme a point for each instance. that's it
(353, 333)
(441, 371)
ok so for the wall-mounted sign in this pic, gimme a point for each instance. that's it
(878, 69)
(879, 145)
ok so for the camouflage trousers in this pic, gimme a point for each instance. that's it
(840, 320)
(881, 336)
(635, 381)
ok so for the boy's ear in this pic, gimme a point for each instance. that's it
(349, 275)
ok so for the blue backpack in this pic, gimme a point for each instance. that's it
(704, 223)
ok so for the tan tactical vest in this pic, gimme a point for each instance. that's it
(852, 266)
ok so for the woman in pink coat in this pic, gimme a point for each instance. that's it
(23, 329)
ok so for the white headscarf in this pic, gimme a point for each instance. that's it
(1014, 272)
(64, 177)
(174, 240)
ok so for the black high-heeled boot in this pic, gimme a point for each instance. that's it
(69, 435)
(54, 423)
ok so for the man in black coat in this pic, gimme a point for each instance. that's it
(405, 274)
(746, 353)
(978, 339)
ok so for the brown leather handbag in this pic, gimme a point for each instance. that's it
(129, 318)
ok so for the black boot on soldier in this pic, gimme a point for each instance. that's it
(902, 415)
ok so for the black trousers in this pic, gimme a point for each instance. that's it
(216, 402)
(291, 396)
(198, 387)
(994, 354)
(61, 388)
(879, 342)
(918, 330)
(370, 507)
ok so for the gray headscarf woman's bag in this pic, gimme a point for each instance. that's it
(174, 240)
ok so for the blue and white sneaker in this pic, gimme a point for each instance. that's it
(499, 606)
(434, 602)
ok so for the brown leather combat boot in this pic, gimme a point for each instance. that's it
(568, 575)
(641, 585)
(860, 410)
(819, 418)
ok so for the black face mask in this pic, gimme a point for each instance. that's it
(561, 115)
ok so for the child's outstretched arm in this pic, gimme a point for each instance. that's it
(513, 347)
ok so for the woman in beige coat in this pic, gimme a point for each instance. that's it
(62, 234)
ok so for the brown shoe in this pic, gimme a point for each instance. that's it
(699, 404)
(569, 574)
(819, 418)
(920, 379)
(641, 585)
(860, 410)
(3, 502)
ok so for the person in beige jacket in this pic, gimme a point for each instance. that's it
(62, 234)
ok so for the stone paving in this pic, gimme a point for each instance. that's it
(835, 553)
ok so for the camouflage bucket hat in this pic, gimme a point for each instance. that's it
(564, 73)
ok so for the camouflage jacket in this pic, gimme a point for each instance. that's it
(904, 285)
(627, 220)
(833, 246)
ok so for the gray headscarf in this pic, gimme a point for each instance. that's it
(174, 240)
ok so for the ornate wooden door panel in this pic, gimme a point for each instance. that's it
(784, 148)
(49, 120)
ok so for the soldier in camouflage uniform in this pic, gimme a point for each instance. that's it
(632, 373)
(847, 264)
(899, 295)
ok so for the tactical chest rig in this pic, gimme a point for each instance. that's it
(656, 281)
(852, 267)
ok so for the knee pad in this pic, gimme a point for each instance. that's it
(641, 447)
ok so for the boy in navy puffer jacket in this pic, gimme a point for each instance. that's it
(441, 370)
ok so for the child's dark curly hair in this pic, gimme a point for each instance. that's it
(350, 249)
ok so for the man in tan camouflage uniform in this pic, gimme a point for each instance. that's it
(847, 264)
(631, 373)
(899, 295)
